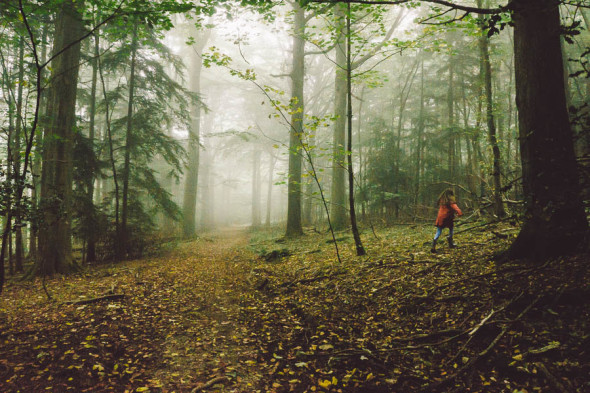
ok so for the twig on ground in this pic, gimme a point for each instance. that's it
(210, 383)
(490, 223)
(97, 299)
(480, 356)
(553, 381)
(500, 235)
(482, 323)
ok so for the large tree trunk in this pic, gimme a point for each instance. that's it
(555, 221)
(338, 188)
(55, 246)
(296, 130)
(189, 204)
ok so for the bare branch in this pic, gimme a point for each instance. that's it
(475, 10)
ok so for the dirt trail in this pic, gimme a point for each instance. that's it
(214, 312)
(176, 327)
(208, 341)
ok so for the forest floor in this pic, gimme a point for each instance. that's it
(240, 311)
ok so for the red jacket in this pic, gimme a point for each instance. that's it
(446, 215)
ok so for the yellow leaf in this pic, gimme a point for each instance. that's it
(517, 357)
(325, 383)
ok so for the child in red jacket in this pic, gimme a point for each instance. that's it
(446, 216)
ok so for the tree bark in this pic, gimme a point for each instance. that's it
(189, 204)
(206, 189)
(271, 167)
(256, 188)
(419, 142)
(92, 235)
(451, 119)
(55, 246)
(124, 240)
(19, 247)
(487, 77)
(555, 221)
(338, 186)
(360, 250)
(294, 227)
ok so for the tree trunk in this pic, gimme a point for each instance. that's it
(451, 119)
(294, 227)
(271, 167)
(124, 240)
(206, 190)
(92, 235)
(18, 231)
(338, 187)
(487, 77)
(419, 141)
(403, 99)
(256, 188)
(555, 221)
(360, 250)
(35, 159)
(189, 204)
(55, 246)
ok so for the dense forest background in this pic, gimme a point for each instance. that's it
(331, 128)
(128, 120)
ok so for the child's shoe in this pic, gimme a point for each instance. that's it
(451, 243)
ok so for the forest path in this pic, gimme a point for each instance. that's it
(208, 345)
(176, 328)
(240, 311)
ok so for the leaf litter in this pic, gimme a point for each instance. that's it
(250, 312)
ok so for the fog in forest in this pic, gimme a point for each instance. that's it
(294, 196)
(182, 118)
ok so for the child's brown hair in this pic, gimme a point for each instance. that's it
(446, 197)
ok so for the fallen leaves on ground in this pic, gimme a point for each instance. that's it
(251, 312)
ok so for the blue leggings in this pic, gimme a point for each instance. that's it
(439, 232)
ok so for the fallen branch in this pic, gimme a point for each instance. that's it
(426, 336)
(304, 281)
(553, 381)
(210, 383)
(486, 224)
(519, 269)
(430, 268)
(500, 235)
(480, 356)
(481, 324)
(97, 299)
